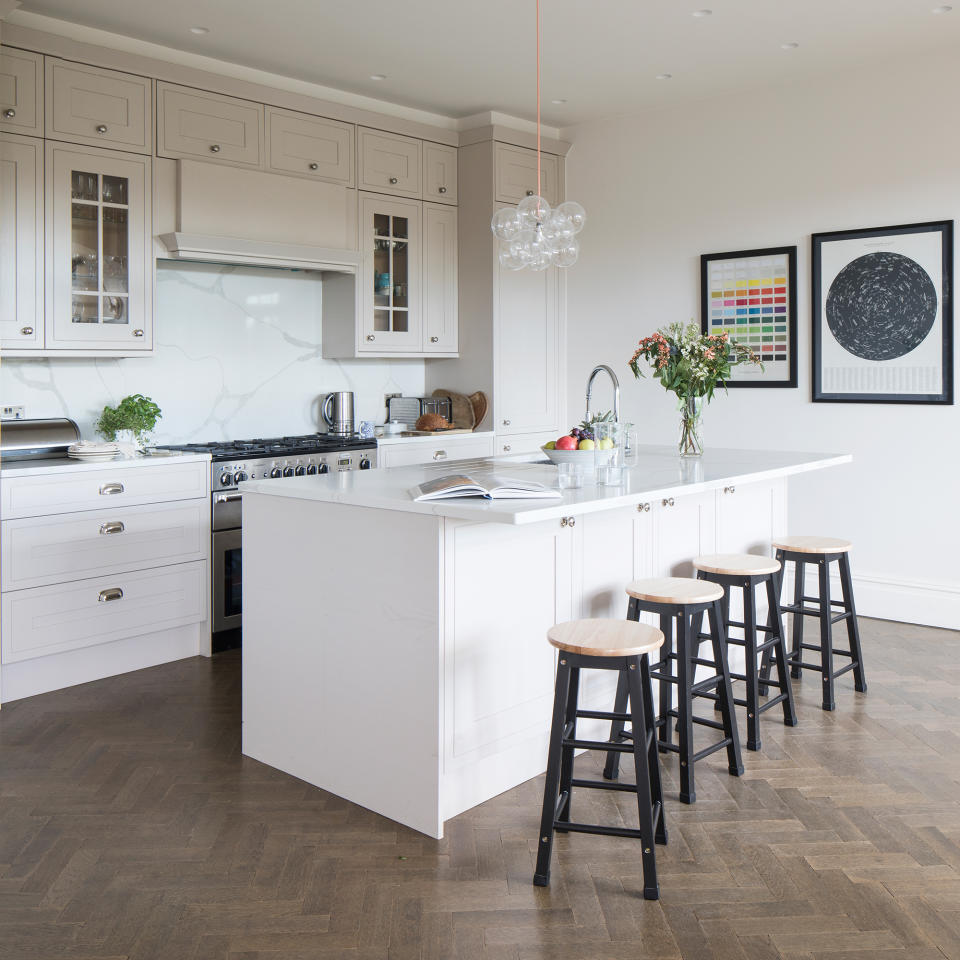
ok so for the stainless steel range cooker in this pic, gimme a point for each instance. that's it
(233, 462)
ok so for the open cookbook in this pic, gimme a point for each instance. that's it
(491, 488)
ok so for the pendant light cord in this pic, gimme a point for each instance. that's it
(539, 193)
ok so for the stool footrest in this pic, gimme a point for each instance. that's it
(743, 626)
(813, 612)
(708, 684)
(836, 653)
(772, 702)
(668, 745)
(806, 666)
(628, 735)
(602, 715)
(704, 722)
(605, 785)
(562, 826)
(846, 669)
(702, 662)
(833, 603)
(598, 745)
(713, 748)
(665, 677)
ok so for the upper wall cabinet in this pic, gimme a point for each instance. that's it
(98, 107)
(310, 147)
(21, 92)
(439, 173)
(390, 163)
(207, 126)
(515, 171)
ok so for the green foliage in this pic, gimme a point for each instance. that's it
(690, 363)
(137, 413)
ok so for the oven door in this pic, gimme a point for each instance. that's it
(227, 579)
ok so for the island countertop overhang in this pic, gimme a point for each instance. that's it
(659, 473)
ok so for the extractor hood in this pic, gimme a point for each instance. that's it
(262, 253)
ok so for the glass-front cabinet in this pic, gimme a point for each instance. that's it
(98, 245)
(391, 308)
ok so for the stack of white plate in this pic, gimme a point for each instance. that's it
(93, 452)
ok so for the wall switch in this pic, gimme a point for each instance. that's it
(13, 411)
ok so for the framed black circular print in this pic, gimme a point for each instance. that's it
(883, 314)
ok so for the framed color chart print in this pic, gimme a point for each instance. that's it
(883, 314)
(752, 295)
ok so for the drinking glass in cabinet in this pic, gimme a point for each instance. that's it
(114, 310)
(84, 310)
(115, 244)
(114, 190)
(84, 186)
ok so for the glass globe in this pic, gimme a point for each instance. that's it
(567, 254)
(506, 224)
(576, 214)
(511, 260)
(559, 227)
(534, 209)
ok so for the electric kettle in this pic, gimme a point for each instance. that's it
(337, 412)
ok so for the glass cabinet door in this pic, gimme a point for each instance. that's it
(100, 270)
(391, 237)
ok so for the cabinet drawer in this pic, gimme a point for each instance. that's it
(515, 170)
(47, 620)
(523, 443)
(21, 91)
(449, 449)
(310, 146)
(194, 123)
(439, 173)
(37, 551)
(389, 163)
(99, 107)
(68, 491)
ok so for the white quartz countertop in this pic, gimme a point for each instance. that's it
(442, 437)
(35, 468)
(659, 472)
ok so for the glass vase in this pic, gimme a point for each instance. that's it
(691, 411)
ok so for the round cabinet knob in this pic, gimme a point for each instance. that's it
(215, 148)
(370, 338)
(101, 128)
(364, 464)
(300, 471)
(394, 181)
(9, 113)
(441, 189)
(529, 193)
(138, 333)
(323, 468)
(239, 477)
(312, 469)
(276, 472)
(225, 479)
(314, 166)
(434, 339)
(27, 331)
(506, 423)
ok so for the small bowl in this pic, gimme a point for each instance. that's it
(587, 457)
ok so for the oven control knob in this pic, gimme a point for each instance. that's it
(323, 468)
(225, 479)
(312, 469)
(239, 477)
(288, 471)
(364, 464)
(276, 472)
(300, 471)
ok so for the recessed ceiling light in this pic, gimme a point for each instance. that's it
(559, 100)
(378, 76)
(702, 13)
(789, 45)
(943, 9)
(664, 76)
(199, 31)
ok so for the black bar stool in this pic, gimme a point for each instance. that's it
(821, 551)
(603, 645)
(746, 572)
(678, 600)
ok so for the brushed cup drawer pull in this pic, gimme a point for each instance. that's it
(108, 488)
(440, 455)
(643, 508)
(668, 501)
(112, 526)
(568, 521)
(434, 339)
(114, 593)
(729, 489)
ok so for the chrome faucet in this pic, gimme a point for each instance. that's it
(616, 389)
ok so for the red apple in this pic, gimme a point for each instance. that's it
(567, 443)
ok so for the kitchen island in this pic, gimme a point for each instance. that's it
(394, 652)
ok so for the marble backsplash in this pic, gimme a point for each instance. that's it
(237, 356)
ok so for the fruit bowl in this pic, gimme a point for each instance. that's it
(587, 457)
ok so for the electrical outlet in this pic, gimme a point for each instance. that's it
(13, 411)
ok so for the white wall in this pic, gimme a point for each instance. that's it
(238, 356)
(768, 169)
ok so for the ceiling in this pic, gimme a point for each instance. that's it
(459, 58)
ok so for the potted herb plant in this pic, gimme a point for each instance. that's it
(130, 422)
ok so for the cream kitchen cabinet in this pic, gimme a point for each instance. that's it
(99, 268)
(310, 147)
(207, 126)
(440, 313)
(441, 449)
(389, 163)
(522, 443)
(21, 242)
(515, 172)
(21, 92)
(439, 173)
(98, 107)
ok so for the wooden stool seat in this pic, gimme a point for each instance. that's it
(736, 564)
(605, 638)
(813, 545)
(674, 590)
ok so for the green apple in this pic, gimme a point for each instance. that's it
(586, 445)
(550, 445)
(605, 444)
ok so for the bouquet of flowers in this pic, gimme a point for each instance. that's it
(691, 364)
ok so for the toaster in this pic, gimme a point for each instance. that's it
(408, 410)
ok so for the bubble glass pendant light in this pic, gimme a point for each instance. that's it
(531, 235)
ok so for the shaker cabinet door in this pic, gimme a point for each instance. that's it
(21, 92)
(439, 173)
(389, 163)
(439, 279)
(310, 146)
(516, 174)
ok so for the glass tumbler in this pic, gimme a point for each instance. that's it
(569, 476)
(610, 452)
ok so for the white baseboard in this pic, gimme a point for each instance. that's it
(885, 598)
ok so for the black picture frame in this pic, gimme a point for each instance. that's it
(888, 238)
(757, 377)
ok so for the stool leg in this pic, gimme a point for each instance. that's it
(685, 708)
(853, 628)
(750, 664)
(826, 634)
(725, 690)
(666, 688)
(725, 607)
(783, 673)
(611, 769)
(796, 654)
(545, 847)
(645, 808)
(653, 754)
(566, 753)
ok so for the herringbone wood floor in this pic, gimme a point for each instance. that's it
(131, 827)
